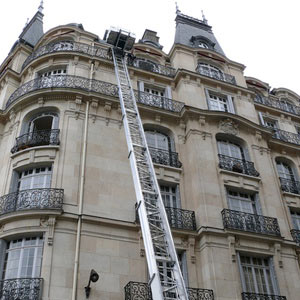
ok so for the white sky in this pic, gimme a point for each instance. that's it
(261, 34)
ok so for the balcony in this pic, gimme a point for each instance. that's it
(286, 136)
(21, 289)
(254, 296)
(36, 199)
(289, 185)
(178, 218)
(296, 235)
(165, 157)
(141, 291)
(237, 165)
(238, 220)
(287, 107)
(36, 138)
(216, 75)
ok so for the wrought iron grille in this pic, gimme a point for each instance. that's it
(290, 186)
(32, 199)
(216, 75)
(21, 289)
(238, 220)
(254, 296)
(141, 291)
(68, 46)
(286, 136)
(237, 165)
(97, 86)
(296, 235)
(36, 138)
(293, 109)
(178, 218)
(165, 157)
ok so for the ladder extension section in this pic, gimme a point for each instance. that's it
(166, 280)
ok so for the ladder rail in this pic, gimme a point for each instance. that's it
(159, 245)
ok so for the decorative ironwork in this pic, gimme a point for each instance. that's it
(158, 101)
(216, 74)
(150, 66)
(289, 185)
(21, 289)
(286, 136)
(68, 46)
(97, 86)
(296, 235)
(238, 220)
(254, 296)
(178, 218)
(287, 107)
(165, 157)
(45, 198)
(141, 291)
(237, 165)
(36, 138)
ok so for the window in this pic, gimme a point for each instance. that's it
(35, 178)
(286, 105)
(257, 274)
(296, 219)
(268, 122)
(219, 102)
(170, 195)
(23, 258)
(154, 91)
(284, 170)
(230, 149)
(243, 202)
(211, 71)
(54, 72)
(146, 64)
(157, 140)
(259, 98)
(43, 121)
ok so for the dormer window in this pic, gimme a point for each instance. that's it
(202, 42)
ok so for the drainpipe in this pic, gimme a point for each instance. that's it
(81, 192)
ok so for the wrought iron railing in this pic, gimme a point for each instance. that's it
(289, 185)
(237, 165)
(254, 296)
(36, 138)
(287, 107)
(165, 157)
(216, 75)
(45, 198)
(68, 46)
(141, 291)
(178, 218)
(296, 235)
(21, 289)
(238, 220)
(286, 136)
(97, 86)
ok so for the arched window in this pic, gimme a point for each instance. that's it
(158, 140)
(286, 105)
(210, 71)
(285, 170)
(230, 148)
(43, 121)
(146, 64)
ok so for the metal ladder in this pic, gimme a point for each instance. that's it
(166, 280)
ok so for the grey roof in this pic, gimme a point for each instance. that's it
(188, 28)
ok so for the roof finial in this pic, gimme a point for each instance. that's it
(41, 7)
(203, 18)
(27, 21)
(177, 8)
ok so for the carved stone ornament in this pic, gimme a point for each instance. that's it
(229, 126)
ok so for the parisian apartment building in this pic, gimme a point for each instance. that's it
(224, 147)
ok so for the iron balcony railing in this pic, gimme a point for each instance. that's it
(238, 220)
(287, 107)
(178, 218)
(216, 75)
(286, 136)
(37, 199)
(96, 51)
(296, 235)
(290, 185)
(141, 291)
(254, 296)
(96, 86)
(21, 289)
(165, 157)
(36, 138)
(237, 165)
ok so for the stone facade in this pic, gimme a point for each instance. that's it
(225, 150)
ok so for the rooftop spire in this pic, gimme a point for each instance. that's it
(41, 7)
(203, 18)
(177, 8)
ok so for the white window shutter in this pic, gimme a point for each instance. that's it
(141, 86)
(168, 92)
(178, 199)
(241, 272)
(230, 104)
(273, 276)
(261, 118)
(184, 268)
(55, 122)
(3, 246)
(257, 204)
(207, 99)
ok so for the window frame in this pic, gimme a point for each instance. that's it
(228, 98)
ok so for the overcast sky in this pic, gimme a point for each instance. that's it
(261, 34)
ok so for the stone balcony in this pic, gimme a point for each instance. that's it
(242, 221)
(33, 199)
(36, 138)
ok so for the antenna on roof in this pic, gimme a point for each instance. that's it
(27, 21)
(203, 17)
(41, 7)
(177, 8)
